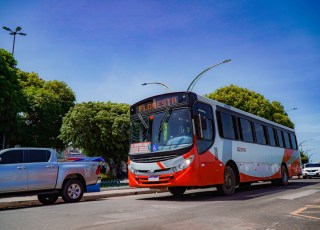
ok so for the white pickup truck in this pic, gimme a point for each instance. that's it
(37, 171)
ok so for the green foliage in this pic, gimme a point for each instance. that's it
(252, 102)
(99, 128)
(304, 157)
(47, 103)
(31, 109)
(11, 97)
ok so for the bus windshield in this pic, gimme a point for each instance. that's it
(165, 131)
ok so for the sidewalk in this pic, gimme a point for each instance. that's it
(28, 201)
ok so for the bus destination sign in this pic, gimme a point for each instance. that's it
(157, 104)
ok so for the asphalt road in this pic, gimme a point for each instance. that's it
(264, 206)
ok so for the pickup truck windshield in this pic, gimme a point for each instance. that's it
(169, 130)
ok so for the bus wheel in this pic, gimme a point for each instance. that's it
(284, 176)
(229, 185)
(284, 180)
(177, 191)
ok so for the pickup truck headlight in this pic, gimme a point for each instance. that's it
(184, 164)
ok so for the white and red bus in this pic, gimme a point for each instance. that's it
(182, 140)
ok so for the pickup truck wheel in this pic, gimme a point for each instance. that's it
(72, 191)
(48, 198)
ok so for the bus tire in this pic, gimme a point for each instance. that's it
(177, 191)
(284, 180)
(284, 176)
(229, 186)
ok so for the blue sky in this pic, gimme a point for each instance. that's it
(105, 50)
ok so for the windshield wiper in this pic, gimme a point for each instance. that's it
(164, 119)
(143, 121)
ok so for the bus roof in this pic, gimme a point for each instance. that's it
(211, 101)
(195, 96)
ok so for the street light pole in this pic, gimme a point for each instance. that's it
(300, 145)
(14, 33)
(203, 72)
(310, 156)
(304, 142)
(158, 83)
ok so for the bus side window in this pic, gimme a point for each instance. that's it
(227, 126)
(272, 140)
(246, 130)
(286, 140)
(203, 117)
(260, 134)
(201, 126)
(293, 141)
(279, 139)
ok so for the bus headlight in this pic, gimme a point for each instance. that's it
(131, 169)
(184, 164)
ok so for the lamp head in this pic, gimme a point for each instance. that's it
(6, 28)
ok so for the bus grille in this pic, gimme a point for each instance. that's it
(162, 180)
(150, 159)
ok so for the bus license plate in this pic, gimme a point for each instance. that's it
(153, 178)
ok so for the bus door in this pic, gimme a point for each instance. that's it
(204, 125)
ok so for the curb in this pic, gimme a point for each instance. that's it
(33, 202)
(101, 196)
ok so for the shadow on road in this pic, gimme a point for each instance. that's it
(256, 190)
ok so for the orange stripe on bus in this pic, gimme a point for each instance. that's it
(160, 165)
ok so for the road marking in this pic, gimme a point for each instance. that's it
(304, 212)
(299, 194)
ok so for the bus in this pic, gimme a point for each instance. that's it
(182, 140)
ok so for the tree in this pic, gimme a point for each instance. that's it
(252, 102)
(11, 97)
(47, 103)
(304, 157)
(98, 128)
